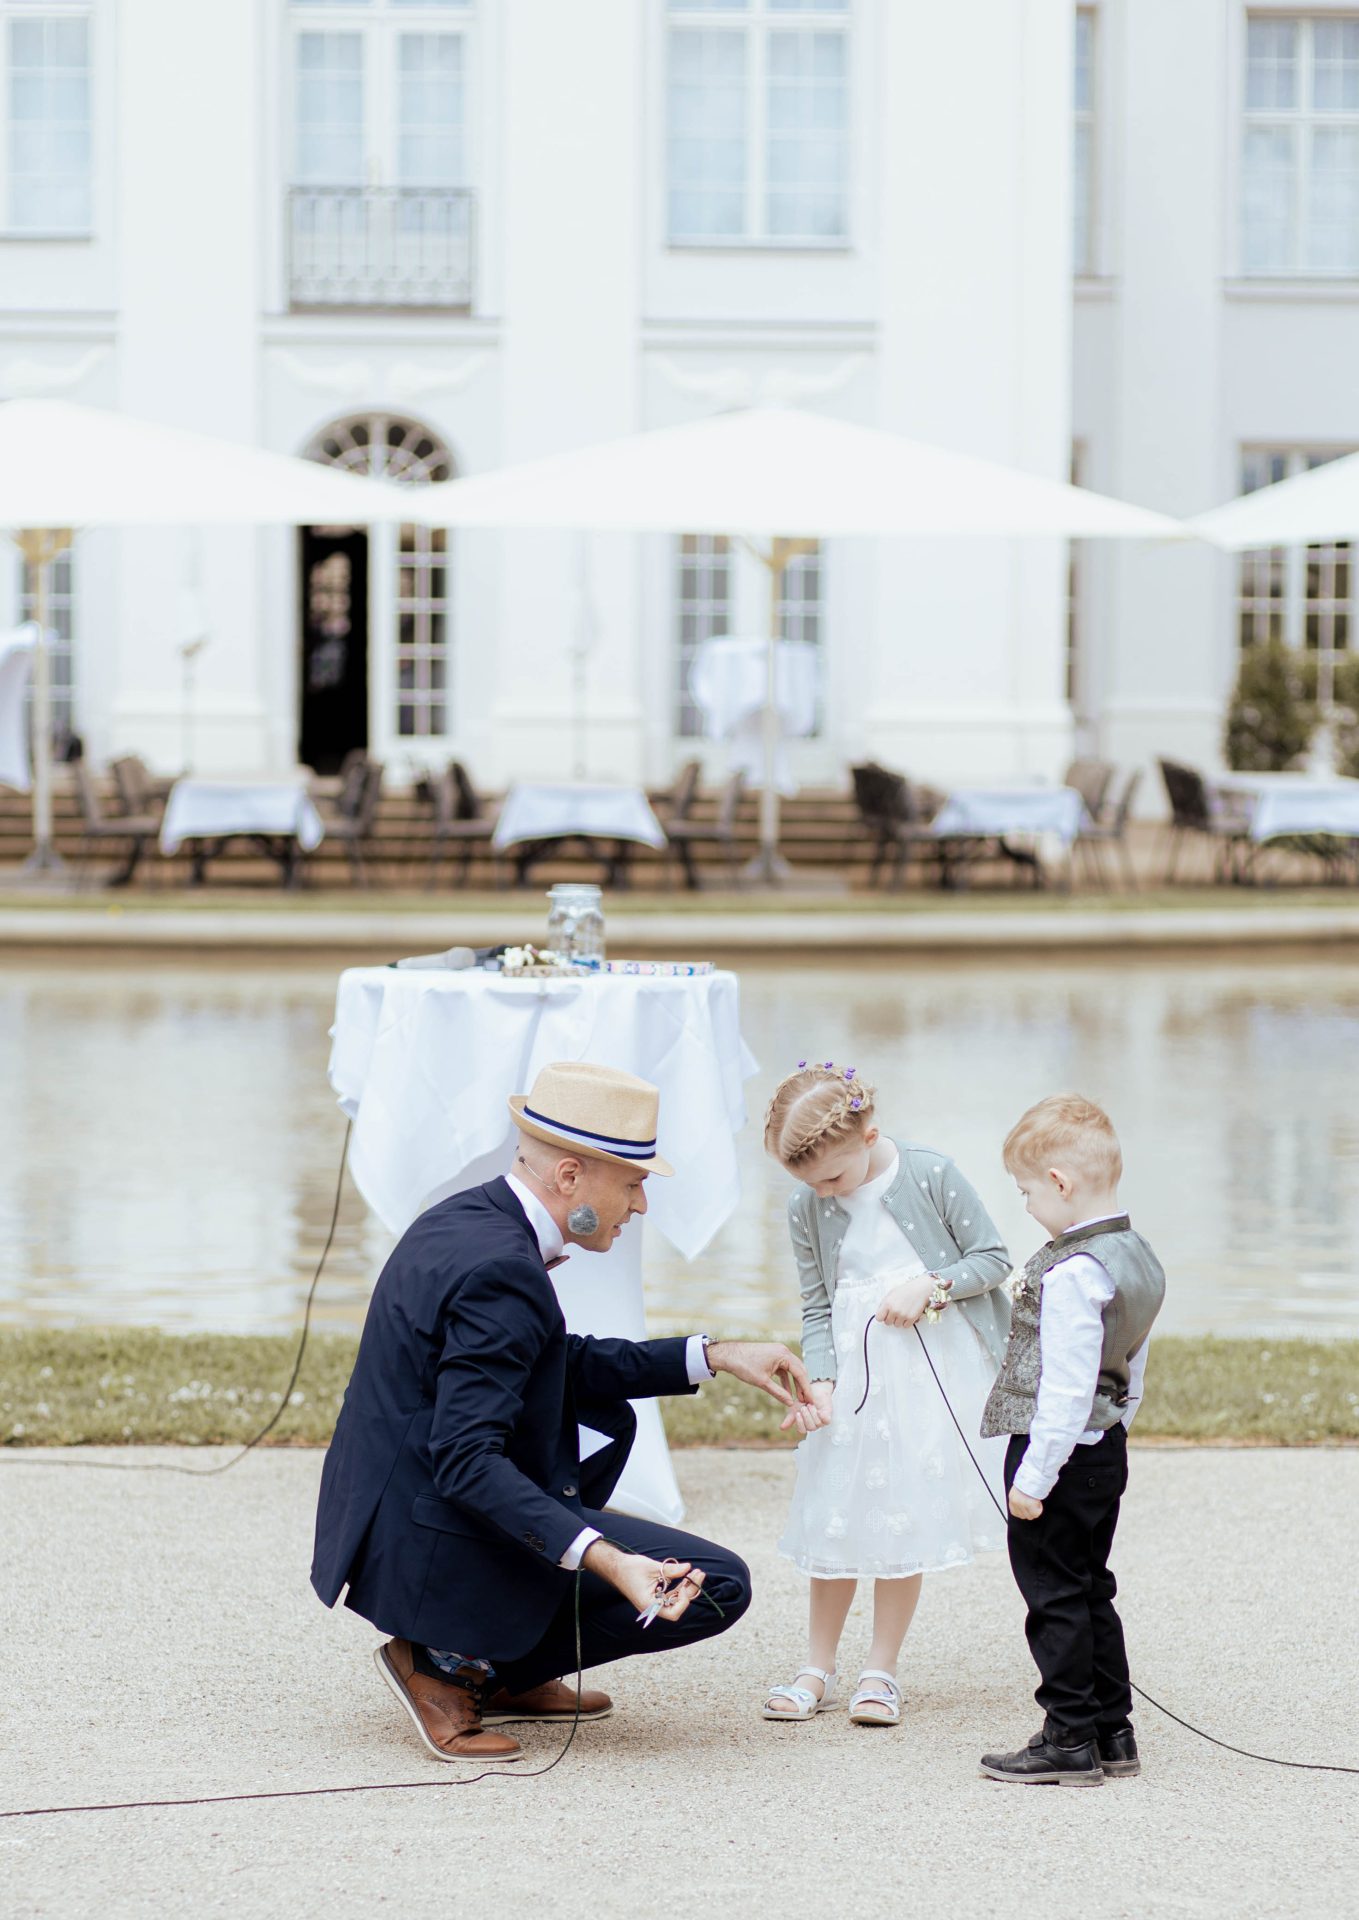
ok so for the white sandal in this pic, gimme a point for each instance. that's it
(805, 1703)
(878, 1706)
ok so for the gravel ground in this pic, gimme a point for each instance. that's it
(160, 1640)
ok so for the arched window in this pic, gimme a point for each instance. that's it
(411, 602)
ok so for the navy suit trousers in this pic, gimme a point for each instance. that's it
(608, 1623)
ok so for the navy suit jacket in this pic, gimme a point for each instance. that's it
(453, 1484)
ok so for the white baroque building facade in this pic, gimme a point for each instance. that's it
(430, 237)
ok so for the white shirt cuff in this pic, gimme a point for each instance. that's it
(695, 1365)
(575, 1553)
(1028, 1480)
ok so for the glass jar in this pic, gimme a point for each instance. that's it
(575, 921)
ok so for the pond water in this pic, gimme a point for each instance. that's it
(169, 1143)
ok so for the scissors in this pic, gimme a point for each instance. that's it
(658, 1599)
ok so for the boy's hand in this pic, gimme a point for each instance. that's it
(1023, 1507)
(903, 1305)
(812, 1413)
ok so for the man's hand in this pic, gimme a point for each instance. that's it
(1022, 1507)
(903, 1305)
(808, 1415)
(636, 1578)
(766, 1364)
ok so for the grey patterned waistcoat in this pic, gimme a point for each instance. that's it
(1139, 1288)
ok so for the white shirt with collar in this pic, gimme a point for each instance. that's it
(552, 1245)
(1071, 1338)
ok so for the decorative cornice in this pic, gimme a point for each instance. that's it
(774, 387)
(22, 379)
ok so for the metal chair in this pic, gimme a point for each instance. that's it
(684, 834)
(1092, 780)
(97, 828)
(1113, 832)
(898, 816)
(1192, 811)
(351, 817)
(460, 821)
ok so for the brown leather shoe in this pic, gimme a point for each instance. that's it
(553, 1700)
(446, 1716)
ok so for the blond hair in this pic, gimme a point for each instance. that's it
(1065, 1130)
(813, 1109)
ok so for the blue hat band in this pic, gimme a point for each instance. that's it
(625, 1149)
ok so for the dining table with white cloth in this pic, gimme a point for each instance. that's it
(994, 813)
(16, 667)
(537, 815)
(729, 684)
(1294, 803)
(270, 807)
(424, 1063)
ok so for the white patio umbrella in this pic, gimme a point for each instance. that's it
(65, 467)
(780, 479)
(1310, 508)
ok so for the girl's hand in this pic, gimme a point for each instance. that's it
(903, 1305)
(810, 1414)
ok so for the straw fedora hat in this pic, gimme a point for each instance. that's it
(597, 1112)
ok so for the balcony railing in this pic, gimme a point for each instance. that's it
(380, 247)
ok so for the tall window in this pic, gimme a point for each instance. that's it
(60, 636)
(380, 152)
(758, 122)
(1300, 174)
(46, 155)
(1083, 151)
(382, 445)
(704, 595)
(1303, 596)
(706, 608)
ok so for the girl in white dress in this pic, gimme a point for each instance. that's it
(889, 1237)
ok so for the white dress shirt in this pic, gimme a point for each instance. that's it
(552, 1245)
(1071, 1338)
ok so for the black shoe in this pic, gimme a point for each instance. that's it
(1118, 1754)
(1044, 1764)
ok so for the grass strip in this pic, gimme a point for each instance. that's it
(134, 1385)
(379, 905)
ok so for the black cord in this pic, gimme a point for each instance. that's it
(315, 1793)
(224, 1466)
(1267, 1759)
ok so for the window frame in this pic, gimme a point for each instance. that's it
(1304, 16)
(756, 20)
(379, 25)
(1293, 562)
(1085, 261)
(86, 11)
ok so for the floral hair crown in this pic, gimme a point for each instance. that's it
(846, 1073)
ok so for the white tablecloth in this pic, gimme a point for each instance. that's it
(215, 809)
(16, 665)
(995, 812)
(424, 1063)
(548, 812)
(729, 684)
(1295, 803)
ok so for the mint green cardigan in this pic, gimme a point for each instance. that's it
(943, 1221)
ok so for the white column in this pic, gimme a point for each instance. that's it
(188, 280)
(1165, 660)
(966, 673)
(571, 248)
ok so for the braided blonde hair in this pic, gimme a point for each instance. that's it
(813, 1109)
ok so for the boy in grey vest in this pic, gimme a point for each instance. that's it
(1066, 1394)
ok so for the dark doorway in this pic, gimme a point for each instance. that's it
(334, 624)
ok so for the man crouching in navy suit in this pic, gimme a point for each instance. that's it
(454, 1502)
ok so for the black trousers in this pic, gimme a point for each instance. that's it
(1061, 1566)
(608, 1623)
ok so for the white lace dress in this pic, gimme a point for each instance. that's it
(890, 1491)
